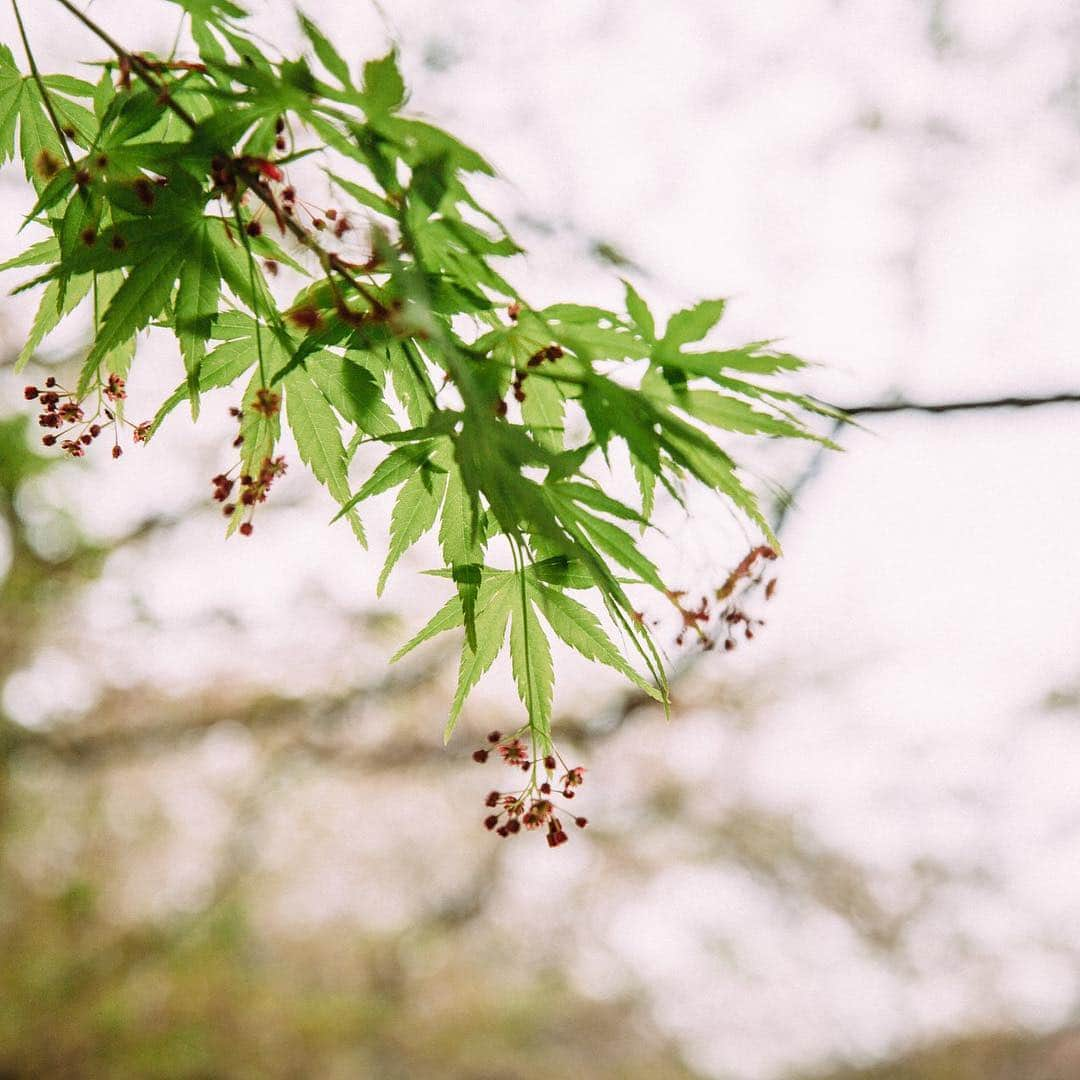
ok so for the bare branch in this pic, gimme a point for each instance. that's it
(880, 408)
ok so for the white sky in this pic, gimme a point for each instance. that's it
(905, 214)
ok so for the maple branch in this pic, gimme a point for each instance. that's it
(329, 262)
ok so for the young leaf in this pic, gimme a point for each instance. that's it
(462, 546)
(611, 539)
(692, 324)
(491, 620)
(394, 469)
(144, 293)
(42, 253)
(315, 428)
(50, 312)
(11, 85)
(363, 196)
(39, 145)
(449, 615)
(579, 628)
(384, 88)
(414, 513)
(352, 389)
(640, 313)
(325, 51)
(530, 661)
(222, 367)
(196, 305)
(543, 410)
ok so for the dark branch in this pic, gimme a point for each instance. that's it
(959, 406)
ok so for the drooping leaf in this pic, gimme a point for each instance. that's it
(461, 537)
(143, 295)
(492, 615)
(414, 514)
(318, 438)
(449, 615)
(11, 85)
(352, 389)
(579, 628)
(530, 661)
(221, 367)
(394, 469)
(50, 312)
(196, 305)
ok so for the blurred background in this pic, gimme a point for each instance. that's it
(231, 842)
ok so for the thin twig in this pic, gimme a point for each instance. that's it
(41, 86)
(876, 409)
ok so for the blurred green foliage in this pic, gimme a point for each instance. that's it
(87, 992)
(85, 997)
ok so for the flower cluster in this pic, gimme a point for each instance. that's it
(253, 490)
(64, 417)
(748, 576)
(332, 219)
(726, 612)
(267, 403)
(530, 807)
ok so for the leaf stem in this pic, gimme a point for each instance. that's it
(46, 100)
(240, 228)
(530, 705)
